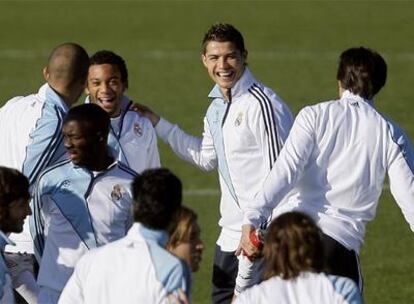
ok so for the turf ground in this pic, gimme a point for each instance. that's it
(293, 48)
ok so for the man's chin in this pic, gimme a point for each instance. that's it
(18, 229)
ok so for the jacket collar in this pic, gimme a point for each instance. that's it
(139, 231)
(50, 95)
(346, 95)
(241, 87)
(82, 168)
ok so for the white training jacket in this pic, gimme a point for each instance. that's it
(132, 139)
(31, 139)
(308, 287)
(135, 269)
(75, 210)
(242, 139)
(336, 157)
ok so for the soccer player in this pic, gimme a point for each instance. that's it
(336, 157)
(132, 137)
(137, 268)
(14, 207)
(185, 241)
(244, 128)
(80, 203)
(31, 140)
(294, 265)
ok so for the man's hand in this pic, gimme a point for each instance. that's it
(179, 298)
(246, 246)
(146, 112)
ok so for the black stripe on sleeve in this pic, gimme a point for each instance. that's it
(272, 116)
(268, 118)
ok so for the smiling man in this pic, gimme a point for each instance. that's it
(14, 207)
(132, 138)
(244, 128)
(80, 203)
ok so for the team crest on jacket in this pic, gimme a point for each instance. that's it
(137, 129)
(116, 193)
(239, 119)
(64, 186)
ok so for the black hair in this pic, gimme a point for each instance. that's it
(157, 198)
(93, 114)
(362, 71)
(13, 185)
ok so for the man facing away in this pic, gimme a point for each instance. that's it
(14, 207)
(336, 157)
(31, 140)
(131, 137)
(80, 203)
(244, 128)
(136, 268)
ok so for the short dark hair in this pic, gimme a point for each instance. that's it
(13, 185)
(292, 245)
(157, 198)
(362, 71)
(223, 32)
(109, 57)
(91, 113)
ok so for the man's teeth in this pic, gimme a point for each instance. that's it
(106, 99)
(225, 74)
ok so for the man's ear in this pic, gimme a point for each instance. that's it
(244, 54)
(46, 74)
(204, 59)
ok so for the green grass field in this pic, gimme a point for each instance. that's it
(293, 48)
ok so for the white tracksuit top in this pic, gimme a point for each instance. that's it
(242, 139)
(75, 210)
(134, 269)
(132, 139)
(31, 140)
(309, 288)
(336, 156)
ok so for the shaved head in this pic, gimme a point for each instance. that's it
(66, 71)
(68, 63)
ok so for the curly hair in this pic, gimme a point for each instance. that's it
(292, 245)
(223, 32)
(13, 185)
(157, 198)
(362, 71)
